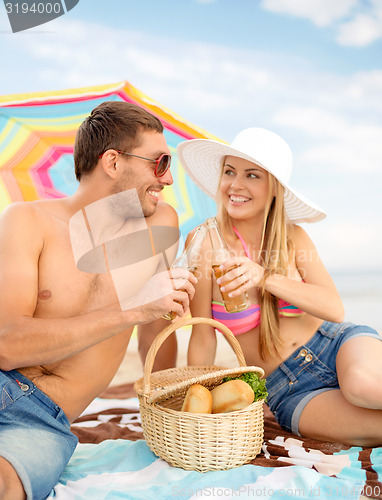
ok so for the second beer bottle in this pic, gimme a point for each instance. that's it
(189, 259)
(220, 253)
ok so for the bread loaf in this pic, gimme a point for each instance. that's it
(231, 396)
(198, 399)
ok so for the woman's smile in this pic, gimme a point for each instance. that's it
(238, 200)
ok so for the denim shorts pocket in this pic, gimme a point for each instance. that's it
(272, 391)
(6, 398)
(10, 391)
(331, 330)
(282, 396)
(322, 373)
(282, 384)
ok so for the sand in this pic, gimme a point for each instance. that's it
(131, 367)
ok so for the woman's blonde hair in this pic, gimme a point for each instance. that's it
(274, 257)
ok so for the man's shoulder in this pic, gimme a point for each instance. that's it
(17, 210)
(21, 228)
(24, 210)
(28, 217)
(165, 215)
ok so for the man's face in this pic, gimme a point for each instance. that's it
(140, 174)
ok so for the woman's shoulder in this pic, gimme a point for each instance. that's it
(297, 234)
(303, 247)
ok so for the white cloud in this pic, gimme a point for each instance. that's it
(320, 12)
(365, 86)
(362, 30)
(355, 154)
(340, 144)
(313, 120)
(356, 23)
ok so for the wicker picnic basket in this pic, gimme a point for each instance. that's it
(196, 441)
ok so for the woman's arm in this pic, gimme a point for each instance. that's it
(316, 294)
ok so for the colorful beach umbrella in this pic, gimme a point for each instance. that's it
(37, 132)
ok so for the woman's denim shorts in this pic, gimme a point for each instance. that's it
(35, 435)
(310, 370)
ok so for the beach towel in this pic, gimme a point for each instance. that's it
(112, 461)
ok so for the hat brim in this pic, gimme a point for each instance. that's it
(202, 159)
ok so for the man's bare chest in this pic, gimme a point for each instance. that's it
(65, 290)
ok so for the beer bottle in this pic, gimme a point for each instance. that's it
(220, 253)
(189, 259)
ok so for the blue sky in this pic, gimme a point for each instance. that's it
(310, 70)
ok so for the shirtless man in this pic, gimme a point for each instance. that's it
(63, 332)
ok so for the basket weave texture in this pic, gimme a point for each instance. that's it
(197, 441)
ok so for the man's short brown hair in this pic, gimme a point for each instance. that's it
(111, 125)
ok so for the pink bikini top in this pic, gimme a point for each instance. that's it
(241, 322)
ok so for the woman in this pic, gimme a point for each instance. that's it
(323, 376)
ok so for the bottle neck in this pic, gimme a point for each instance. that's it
(196, 242)
(220, 250)
(191, 255)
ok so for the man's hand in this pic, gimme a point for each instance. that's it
(164, 292)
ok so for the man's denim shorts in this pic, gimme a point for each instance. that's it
(310, 370)
(35, 435)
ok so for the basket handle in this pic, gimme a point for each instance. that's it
(166, 332)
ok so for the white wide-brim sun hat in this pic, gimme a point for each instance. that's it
(203, 159)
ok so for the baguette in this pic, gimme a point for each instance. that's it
(231, 396)
(198, 399)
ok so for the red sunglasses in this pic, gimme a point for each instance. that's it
(162, 164)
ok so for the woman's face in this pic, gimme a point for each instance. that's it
(244, 188)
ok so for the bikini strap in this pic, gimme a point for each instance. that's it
(245, 246)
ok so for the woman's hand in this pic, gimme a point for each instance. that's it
(239, 275)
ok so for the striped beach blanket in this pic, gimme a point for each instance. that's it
(112, 461)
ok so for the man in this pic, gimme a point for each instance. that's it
(65, 324)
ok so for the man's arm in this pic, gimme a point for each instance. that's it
(28, 341)
(167, 354)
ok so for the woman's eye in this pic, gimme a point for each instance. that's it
(228, 172)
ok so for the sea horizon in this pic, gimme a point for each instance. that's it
(361, 293)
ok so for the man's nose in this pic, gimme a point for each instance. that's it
(166, 179)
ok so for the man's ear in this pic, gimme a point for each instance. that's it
(109, 163)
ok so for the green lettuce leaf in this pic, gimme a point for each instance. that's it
(258, 384)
